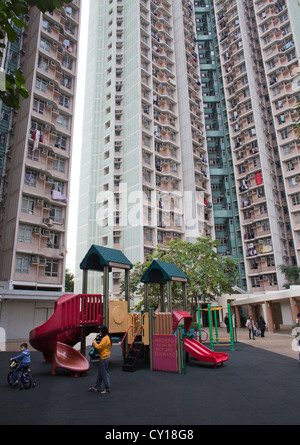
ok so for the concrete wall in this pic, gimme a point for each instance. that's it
(20, 312)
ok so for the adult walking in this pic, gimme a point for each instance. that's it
(226, 321)
(262, 326)
(250, 326)
(104, 349)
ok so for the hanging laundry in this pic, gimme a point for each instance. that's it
(58, 196)
(258, 178)
(36, 137)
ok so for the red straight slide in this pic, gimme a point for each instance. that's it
(56, 337)
(202, 353)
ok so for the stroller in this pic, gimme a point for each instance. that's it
(257, 332)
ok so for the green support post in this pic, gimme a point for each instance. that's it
(234, 329)
(199, 322)
(180, 352)
(216, 327)
(210, 328)
(230, 327)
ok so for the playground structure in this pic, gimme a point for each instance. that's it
(156, 337)
(216, 340)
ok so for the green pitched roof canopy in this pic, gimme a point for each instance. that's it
(98, 257)
(160, 272)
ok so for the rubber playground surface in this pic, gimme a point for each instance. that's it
(254, 387)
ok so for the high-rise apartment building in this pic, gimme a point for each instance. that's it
(259, 55)
(35, 155)
(186, 97)
(144, 169)
(224, 197)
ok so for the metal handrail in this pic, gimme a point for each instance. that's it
(140, 327)
(126, 333)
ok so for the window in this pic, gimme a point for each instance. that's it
(70, 27)
(276, 91)
(148, 234)
(47, 26)
(40, 85)
(64, 101)
(255, 282)
(53, 241)
(56, 214)
(34, 155)
(38, 106)
(67, 62)
(25, 234)
(66, 81)
(290, 166)
(30, 178)
(22, 264)
(296, 199)
(62, 121)
(284, 134)
(59, 165)
(51, 269)
(61, 142)
(71, 12)
(45, 45)
(43, 64)
(27, 205)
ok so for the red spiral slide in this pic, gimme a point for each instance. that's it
(202, 353)
(56, 337)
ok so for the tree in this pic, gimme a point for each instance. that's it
(209, 275)
(11, 16)
(292, 275)
(69, 281)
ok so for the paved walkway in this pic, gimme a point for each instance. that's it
(280, 342)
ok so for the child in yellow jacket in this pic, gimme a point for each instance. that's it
(104, 349)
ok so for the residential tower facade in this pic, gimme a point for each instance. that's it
(144, 169)
(191, 105)
(36, 152)
(259, 52)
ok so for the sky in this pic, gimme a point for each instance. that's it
(77, 138)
